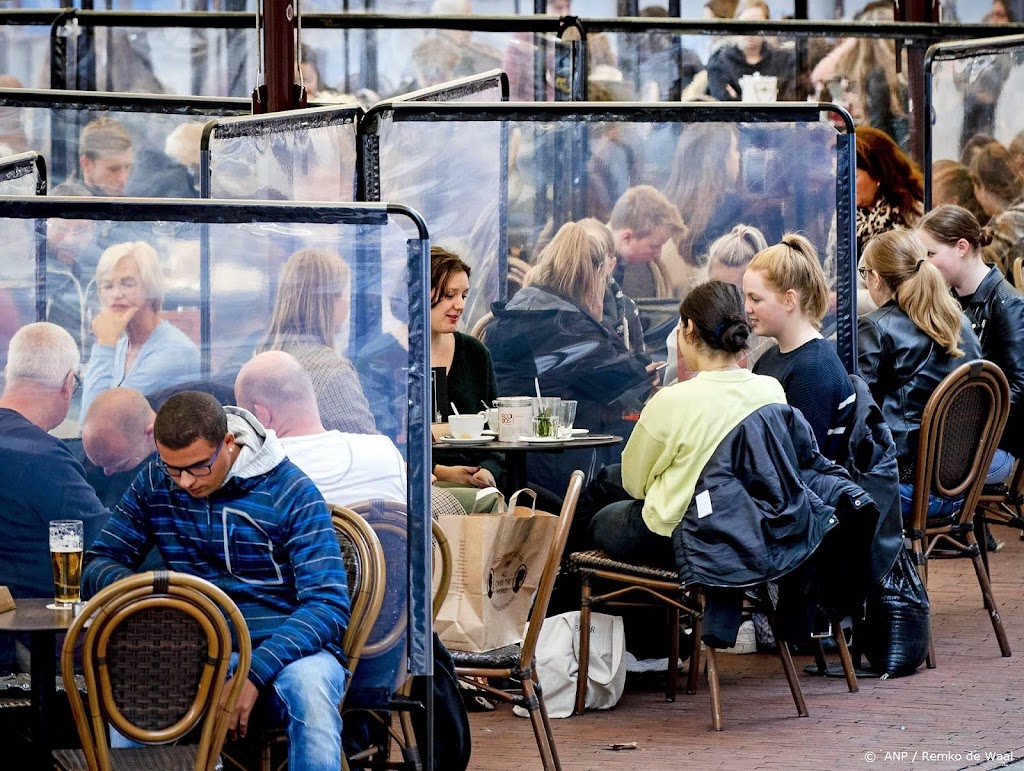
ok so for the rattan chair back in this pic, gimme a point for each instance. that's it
(389, 521)
(156, 648)
(960, 431)
(366, 570)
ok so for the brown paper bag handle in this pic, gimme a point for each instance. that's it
(513, 500)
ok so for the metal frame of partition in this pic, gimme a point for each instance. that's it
(22, 165)
(569, 177)
(80, 103)
(457, 90)
(205, 213)
(87, 21)
(957, 50)
(251, 125)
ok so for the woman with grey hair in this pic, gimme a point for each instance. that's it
(135, 347)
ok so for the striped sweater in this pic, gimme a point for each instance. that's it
(265, 537)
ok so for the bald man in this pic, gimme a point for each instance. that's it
(117, 433)
(345, 467)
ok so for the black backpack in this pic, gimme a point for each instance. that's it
(452, 741)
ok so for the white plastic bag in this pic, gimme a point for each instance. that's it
(558, 662)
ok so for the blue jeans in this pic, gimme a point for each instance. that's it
(998, 471)
(304, 698)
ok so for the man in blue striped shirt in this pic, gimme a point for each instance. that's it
(224, 503)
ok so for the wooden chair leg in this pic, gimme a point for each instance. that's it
(694, 673)
(819, 656)
(673, 653)
(541, 726)
(584, 668)
(990, 603)
(713, 688)
(545, 718)
(844, 655)
(791, 678)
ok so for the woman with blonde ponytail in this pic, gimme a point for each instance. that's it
(786, 298)
(913, 340)
(955, 242)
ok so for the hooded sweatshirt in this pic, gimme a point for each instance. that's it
(265, 537)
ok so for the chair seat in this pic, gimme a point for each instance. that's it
(597, 559)
(499, 658)
(179, 757)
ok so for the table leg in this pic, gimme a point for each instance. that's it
(515, 471)
(44, 691)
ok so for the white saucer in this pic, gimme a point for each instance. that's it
(545, 439)
(579, 431)
(488, 432)
(465, 442)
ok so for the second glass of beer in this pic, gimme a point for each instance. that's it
(66, 545)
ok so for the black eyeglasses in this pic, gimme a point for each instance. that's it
(863, 270)
(77, 385)
(197, 470)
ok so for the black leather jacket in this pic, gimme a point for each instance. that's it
(996, 313)
(902, 367)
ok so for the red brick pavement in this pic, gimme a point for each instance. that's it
(967, 706)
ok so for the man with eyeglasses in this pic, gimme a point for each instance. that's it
(224, 503)
(40, 479)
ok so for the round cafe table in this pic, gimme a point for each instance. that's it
(516, 452)
(31, 616)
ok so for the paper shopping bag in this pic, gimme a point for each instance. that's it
(497, 563)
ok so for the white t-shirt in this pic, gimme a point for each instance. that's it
(348, 468)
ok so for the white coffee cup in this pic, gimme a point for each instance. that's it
(493, 421)
(466, 426)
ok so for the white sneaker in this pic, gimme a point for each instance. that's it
(746, 640)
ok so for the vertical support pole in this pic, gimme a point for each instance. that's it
(924, 11)
(278, 35)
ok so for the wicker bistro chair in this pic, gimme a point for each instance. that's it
(662, 586)
(156, 648)
(960, 430)
(366, 571)
(517, 661)
(406, 739)
(1002, 504)
(657, 585)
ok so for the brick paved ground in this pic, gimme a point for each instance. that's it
(972, 703)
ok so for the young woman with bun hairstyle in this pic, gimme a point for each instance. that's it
(954, 242)
(913, 340)
(786, 298)
(681, 427)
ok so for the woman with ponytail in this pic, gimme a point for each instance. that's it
(681, 427)
(955, 242)
(786, 298)
(913, 340)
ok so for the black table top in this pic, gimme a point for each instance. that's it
(576, 443)
(32, 615)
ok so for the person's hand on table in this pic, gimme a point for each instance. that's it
(466, 476)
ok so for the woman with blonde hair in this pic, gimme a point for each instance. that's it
(787, 298)
(551, 331)
(915, 338)
(135, 347)
(955, 241)
(310, 309)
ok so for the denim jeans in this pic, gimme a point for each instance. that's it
(304, 699)
(619, 530)
(998, 471)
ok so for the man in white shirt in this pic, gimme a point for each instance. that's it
(346, 468)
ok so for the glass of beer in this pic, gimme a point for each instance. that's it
(66, 546)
